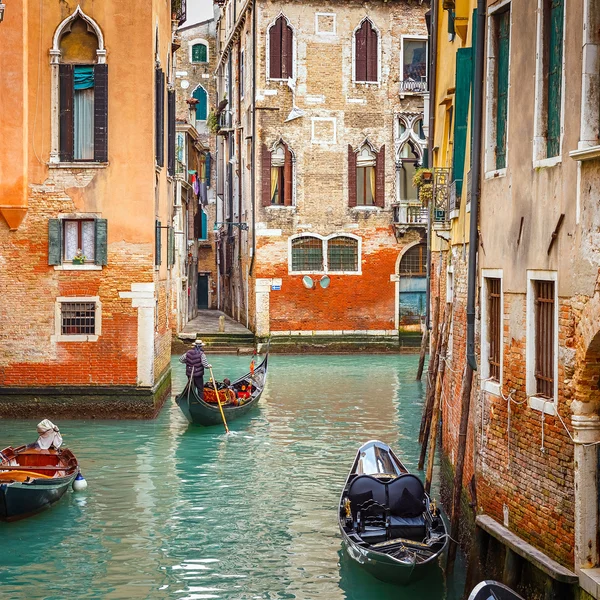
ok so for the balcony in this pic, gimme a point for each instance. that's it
(413, 86)
(225, 121)
(441, 198)
(410, 214)
(178, 10)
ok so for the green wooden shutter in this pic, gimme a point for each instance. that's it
(54, 242)
(461, 112)
(473, 50)
(503, 32)
(202, 106)
(171, 247)
(101, 242)
(157, 245)
(66, 125)
(199, 54)
(555, 54)
(208, 165)
(204, 225)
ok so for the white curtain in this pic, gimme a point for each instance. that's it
(83, 116)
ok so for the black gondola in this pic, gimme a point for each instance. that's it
(32, 479)
(492, 590)
(246, 393)
(388, 523)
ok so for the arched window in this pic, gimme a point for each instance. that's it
(414, 262)
(199, 53)
(365, 177)
(277, 176)
(307, 254)
(410, 159)
(202, 107)
(82, 82)
(366, 53)
(342, 254)
(281, 50)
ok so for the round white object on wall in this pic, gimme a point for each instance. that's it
(185, 84)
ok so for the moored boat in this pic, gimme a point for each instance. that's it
(34, 477)
(236, 399)
(388, 523)
(492, 590)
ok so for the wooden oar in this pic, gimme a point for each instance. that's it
(219, 400)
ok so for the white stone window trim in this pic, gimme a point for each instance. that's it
(281, 143)
(324, 240)
(535, 402)
(69, 266)
(487, 384)
(540, 160)
(409, 38)
(490, 170)
(242, 74)
(268, 51)
(327, 33)
(59, 336)
(193, 43)
(315, 120)
(354, 80)
(55, 62)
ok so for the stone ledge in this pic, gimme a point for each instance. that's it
(525, 550)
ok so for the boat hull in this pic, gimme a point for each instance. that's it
(19, 500)
(493, 589)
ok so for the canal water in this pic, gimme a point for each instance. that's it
(177, 511)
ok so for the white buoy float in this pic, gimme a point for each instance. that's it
(79, 483)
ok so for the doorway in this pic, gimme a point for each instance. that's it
(202, 291)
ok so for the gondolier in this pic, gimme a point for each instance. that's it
(195, 362)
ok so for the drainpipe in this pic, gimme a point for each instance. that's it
(253, 178)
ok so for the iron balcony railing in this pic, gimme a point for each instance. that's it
(441, 196)
(410, 214)
(414, 86)
(178, 10)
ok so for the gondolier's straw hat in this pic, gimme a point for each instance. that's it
(198, 343)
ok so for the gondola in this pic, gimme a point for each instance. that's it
(236, 401)
(492, 590)
(32, 479)
(389, 524)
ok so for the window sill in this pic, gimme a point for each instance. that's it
(74, 338)
(84, 267)
(542, 404)
(78, 165)
(281, 206)
(359, 208)
(586, 153)
(495, 174)
(492, 387)
(375, 83)
(454, 214)
(322, 273)
(547, 162)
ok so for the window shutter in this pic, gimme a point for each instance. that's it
(101, 113)
(208, 164)
(287, 40)
(199, 53)
(371, 36)
(380, 178)
(160, 117)
(204, 231)
(170, 247)
(266, 176)
(360, 53)
(275, 50)
(351, 176)
(503, 24)
(65, 73)
(157, 247)
(54, 242)
(473, 46)
(555, 51)
(101, 254)
(171, 132)
(461, 113)
(287, 178)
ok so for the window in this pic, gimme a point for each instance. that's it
(77, 319)
(414, 65)
(281, 49)
(342, 254)
(68, 236)
(494, 327)
(410, 161)
(241, 75)
(159, 114)
(366, 176)
(171, 132)
(277, 176)
(83, 92)
(491, 330)
(549, 76)
(366, 53)
(307, 254)
(414, 262)
(201, 95)
(199, 53)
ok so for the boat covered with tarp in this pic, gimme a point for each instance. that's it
(389, 524)
(236, 398)
(35, 476)
(493, 590)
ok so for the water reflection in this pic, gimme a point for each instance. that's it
(177, 511)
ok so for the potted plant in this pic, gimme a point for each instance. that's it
(79, 258)
(423, 181)
(212, 122)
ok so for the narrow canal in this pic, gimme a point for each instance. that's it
(176, 511)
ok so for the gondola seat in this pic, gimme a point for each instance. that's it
(363, 489)
(407, 502)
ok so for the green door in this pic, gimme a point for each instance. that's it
(202, 291)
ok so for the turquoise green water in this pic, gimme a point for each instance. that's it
(177, 511)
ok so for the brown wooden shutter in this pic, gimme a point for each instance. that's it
(351, 176)
(101, 113)
(371, 38)
(380, 178)
(360, 58)
(287, 39)
(65, 73)
(287, 178)
(275, 50)
(266, 176)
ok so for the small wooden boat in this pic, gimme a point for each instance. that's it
(32, 479)
(237, 400)
(492, 590)
(389, 524)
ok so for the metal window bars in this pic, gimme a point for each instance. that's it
(544, 338)
(495, 327)
(78, 318)
(441, 195)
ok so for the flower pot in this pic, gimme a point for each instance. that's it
(427, 176)
(78, 261)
